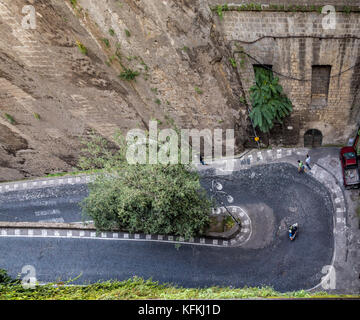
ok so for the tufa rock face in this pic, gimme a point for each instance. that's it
(67, 69)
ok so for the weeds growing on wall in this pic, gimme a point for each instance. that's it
(219, 9)
(129, 74)
(9, 118)
(82, 48)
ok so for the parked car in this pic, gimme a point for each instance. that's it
(350, 167)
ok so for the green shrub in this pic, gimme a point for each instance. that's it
(112, 32)
(146, 67)
(198, 90)
(10, 118)
(220, 9)
(5, 279)
(347, 9)
(127, 32)
(128, 74)
(82, 48)
(107, 42)
(233, 62)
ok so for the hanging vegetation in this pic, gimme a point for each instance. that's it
(269, 103)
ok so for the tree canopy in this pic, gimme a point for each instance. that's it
(147, 198)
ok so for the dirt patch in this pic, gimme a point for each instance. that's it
(11, 141)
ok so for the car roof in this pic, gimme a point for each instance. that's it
(347, 149)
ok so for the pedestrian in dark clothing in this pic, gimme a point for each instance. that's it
(202, 160)
(307, 162)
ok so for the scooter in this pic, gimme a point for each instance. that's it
(293, 230)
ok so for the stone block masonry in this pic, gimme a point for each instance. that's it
(291, 2)
(297, 48)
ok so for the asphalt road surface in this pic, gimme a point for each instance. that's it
(274, 196)
(51, 204)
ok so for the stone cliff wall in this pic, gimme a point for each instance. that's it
(181, 49)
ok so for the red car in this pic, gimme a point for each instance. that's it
(350, 169)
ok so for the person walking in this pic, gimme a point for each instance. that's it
(307, 162)
(301, 167)
(202, 160)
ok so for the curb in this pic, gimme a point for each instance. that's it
(52, 225)
(88, 231)
(33, 230)
(44, 183)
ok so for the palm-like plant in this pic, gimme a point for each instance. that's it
(269, 103)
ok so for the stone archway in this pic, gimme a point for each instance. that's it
(313, 138)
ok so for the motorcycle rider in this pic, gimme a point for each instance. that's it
(292, 231)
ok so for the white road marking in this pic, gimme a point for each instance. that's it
(47, 212)
(53, 220)
(341, 220)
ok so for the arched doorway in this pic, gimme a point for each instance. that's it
(313, 138)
